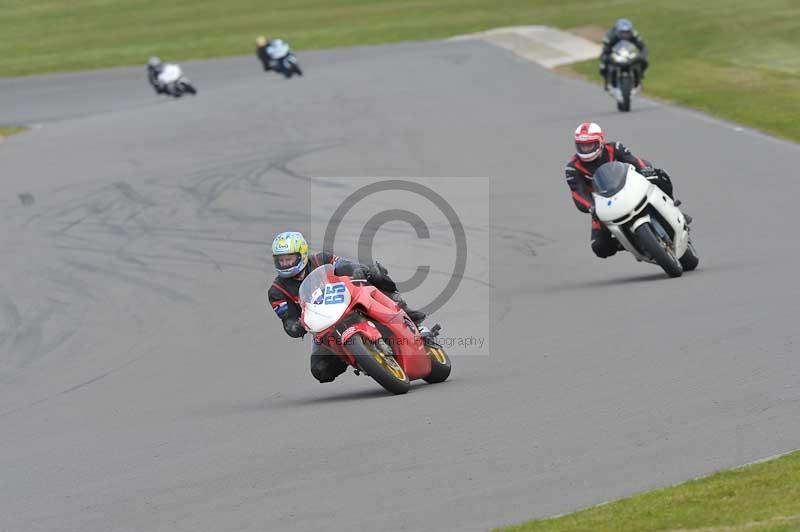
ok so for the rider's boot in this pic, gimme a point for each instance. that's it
(416, 315)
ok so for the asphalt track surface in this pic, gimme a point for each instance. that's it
(145, 385)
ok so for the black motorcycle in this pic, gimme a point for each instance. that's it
(624, 73)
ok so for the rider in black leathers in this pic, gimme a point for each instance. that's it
(283, 295)
(622, 30)
(591, 152)
(154, 68)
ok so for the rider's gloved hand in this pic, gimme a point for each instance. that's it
(661, 173)
(294, 328)
(648, 171)
(359, 275)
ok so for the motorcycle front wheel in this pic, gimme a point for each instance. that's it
(625, 86)
(383, 368)
(658, 250)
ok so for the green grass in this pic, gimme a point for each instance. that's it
(739, 59)
(8, 131)
(760, 497)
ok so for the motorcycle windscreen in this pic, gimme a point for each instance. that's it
(624, 52)
(610, 178)
(322, 302)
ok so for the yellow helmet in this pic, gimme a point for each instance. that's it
(289, 244)
(261, 40)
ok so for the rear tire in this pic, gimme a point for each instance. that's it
(689, 260)
(383, 369)
(654, 247)
(440, 364)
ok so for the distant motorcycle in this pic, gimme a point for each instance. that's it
(173, 82)
(624, 75)
(282, 60)
(643, 218)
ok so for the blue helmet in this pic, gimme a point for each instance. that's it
(623, 28)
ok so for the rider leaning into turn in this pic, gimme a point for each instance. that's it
(261, 52)
(591, 152)
(292, 263)
(622, 30)
(154, 68)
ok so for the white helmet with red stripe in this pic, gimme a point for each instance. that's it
(589, 141)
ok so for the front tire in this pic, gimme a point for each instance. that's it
(382, 368)
(440, 364)
(655, 247)
(625, 86)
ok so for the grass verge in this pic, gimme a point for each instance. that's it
(759, 497)
(739, 59)
(8, 131)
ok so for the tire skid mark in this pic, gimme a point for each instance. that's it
(198, 252)
(168, 292)
(76, 387)
(135, 234)
(11, 317)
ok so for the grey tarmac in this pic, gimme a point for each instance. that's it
(146, 386)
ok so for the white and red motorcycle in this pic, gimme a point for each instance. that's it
(370, 331)
(643, 218)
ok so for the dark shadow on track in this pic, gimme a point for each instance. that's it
(614, 281)
(278, 402)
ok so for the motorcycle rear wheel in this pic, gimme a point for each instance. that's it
(440, 364)
(382, 368)
(689, 260)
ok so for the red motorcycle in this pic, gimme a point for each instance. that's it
(369, 331)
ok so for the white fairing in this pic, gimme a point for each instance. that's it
(277, 49)
(628, 206)
(625, 201)
(170, 74)
(322, 303)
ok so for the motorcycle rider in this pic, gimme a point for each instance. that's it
(292, 263)
(261, 52)
(271, 53)
(154, 67)
(591, 151)
(622, 30)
